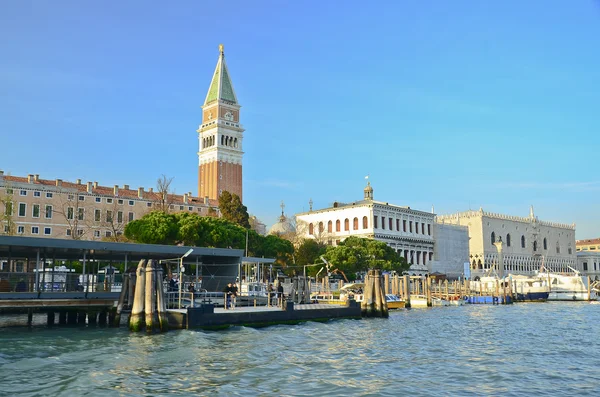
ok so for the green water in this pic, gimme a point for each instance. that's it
(522, 349)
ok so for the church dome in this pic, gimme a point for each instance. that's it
(283, 226)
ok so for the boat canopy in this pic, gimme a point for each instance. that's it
(351, 286)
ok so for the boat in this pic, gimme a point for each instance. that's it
(254, 293)
(352, 291)
(530, 289)
(327, 298)
(394, 301)
(418, 301)
(567, 286)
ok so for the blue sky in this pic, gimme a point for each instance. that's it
(455, 104)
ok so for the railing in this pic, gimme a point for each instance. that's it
(49, 282)
(195, 299)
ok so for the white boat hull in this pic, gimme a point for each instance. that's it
(568, 296)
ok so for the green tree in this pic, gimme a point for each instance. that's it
(357, 254)
(308, 252)
(233, 210)
(156, 227)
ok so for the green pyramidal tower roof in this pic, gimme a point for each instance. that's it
(220, 86)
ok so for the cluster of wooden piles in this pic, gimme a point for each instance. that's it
(374, 303)
(148, 309)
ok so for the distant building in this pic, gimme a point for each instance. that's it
(31, 206)
(588, 245)
(284, 228)
(588, 263)
(588, 257)
(257, 225)
(525, 242)
(451, 250)
(408, 231)
(220, 137)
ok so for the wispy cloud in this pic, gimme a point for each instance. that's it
(572, 186)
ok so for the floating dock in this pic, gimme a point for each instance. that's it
(208, 317)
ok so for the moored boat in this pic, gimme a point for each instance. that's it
(394, 301)
(567, 287)
(530, 289)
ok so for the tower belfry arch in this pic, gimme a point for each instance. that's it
(220, 137)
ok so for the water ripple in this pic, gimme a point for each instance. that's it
(522, 349)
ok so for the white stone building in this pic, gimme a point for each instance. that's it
(407, 231)
(588, 264)
(524, 242)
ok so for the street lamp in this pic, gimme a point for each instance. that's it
(181, 270)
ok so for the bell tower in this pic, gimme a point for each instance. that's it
(220, 136)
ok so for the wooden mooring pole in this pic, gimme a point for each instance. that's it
(124, 293)
(161, 305)
(150, 298)
(136, 321)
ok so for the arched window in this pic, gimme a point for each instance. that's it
(493, 238)
(311, 229)
(346, 224)
(321, 227)
(508, 240)
(479, 265)
(535, 245)
(222, 140)
(545, 244)
(355, 224)
(329, 227)
(522, 241)
(337, 225)
(365, 222)
(235, 142)
(557, 248)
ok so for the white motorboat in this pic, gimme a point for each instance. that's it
(567, 287)
(530, 289)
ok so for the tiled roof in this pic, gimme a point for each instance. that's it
(588, 241)
(176, 199)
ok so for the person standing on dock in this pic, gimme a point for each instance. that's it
(280, 294)
(234, 294)
(227, 296)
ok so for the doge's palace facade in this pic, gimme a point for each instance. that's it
(520, 244)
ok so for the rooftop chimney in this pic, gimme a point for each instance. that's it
(30, 178)
(185, 198)
(140, 192)
(1, 173)
(126, 187)
(151, 190)
(206, 200)
(59, 182)
(89, 187)
(116, 190)
(36, 177)
(95, 185)
(79, 181)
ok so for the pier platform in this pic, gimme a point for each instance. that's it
(208, 317)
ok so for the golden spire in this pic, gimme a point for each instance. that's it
(221, 49)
